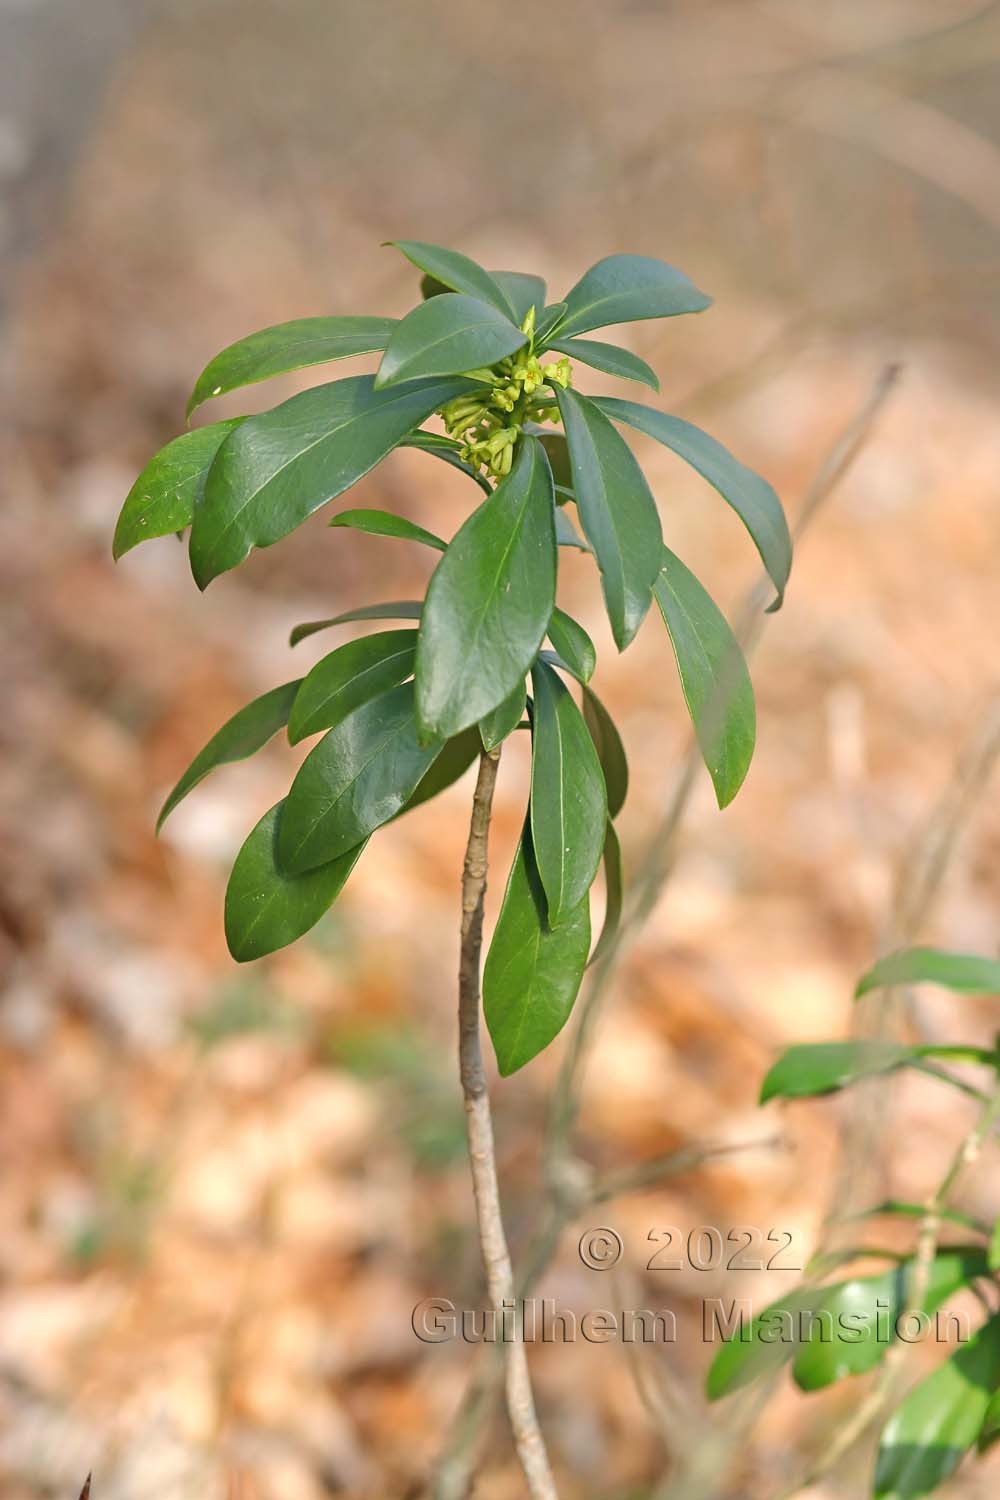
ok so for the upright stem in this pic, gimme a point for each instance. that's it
(482, 1155)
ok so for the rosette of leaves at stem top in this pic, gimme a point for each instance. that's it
(404, 711)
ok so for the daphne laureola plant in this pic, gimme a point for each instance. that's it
(402, 713)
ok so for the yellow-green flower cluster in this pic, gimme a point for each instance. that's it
(516, 390)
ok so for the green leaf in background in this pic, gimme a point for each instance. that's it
(277, 468)
(445, 336)
(523, 292)
(573, 644)
(609, 358)
(990, 1430)
(288, 346)
(763, 1346)
(456, 272)
(610, 750)
(567, 534)
(750, 496)
(616, 510)
(614, 893)
(857, 1318)
(824, 1067)
(385, 523)
(928, 1435)
(449, 451)
(457, 755)
(626, 289)
(239, 738)
(714, 676)
(993, 1253)
(966, 973)
(266, 909)
(532, 973)
(489, 600)
(348, 677)
(358, 777)
(392, 609)
(164, 497)
(568, 799)
(495, 726)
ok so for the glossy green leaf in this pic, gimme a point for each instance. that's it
(990, 1430)
(445, 336)
(451, 269)
(928, 1435)
(239, 738)
(522, 291)
(358, 777)
(533, 971)
(573, 644)
(824, 1067)
(750, 496)
(489, 600)
(567, 534)
(288, 346)
(609, 358)
(568, 799)
(164, 497)
(626, 289)
(713, 674)
(614, 888)
(392, 609)
(610, 750)
(446, 449)
(495, 726)
(616, 510)
(856, 1319)
(267, 909)
(348, 677)
(277, 468)
(385, 523)
(457, 755)
(966, 973)
(803, 1326)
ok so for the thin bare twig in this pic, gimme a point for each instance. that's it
(528, 1438)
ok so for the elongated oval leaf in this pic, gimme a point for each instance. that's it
(616, 510)
(928, 1435)
(288, 346)
(763, 1344)
(495, 726)
(532, 973)
(267, 909)
(239, 738)
(445, 336)
(489, 600)
(568, 800)
(750, 496)
(824, 1067)
(573, 644)
(610, 750)
(392, 609)
(356, 779)
(610, 358)
(626, 289)
(614, 887)
(458, 272)
(522, 291)
(385, 523)
(164, 497)
(966, 973)
(348, 677)
(714, 676)
(276, 469)
(856, 1319)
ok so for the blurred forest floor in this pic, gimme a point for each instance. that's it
(225, 1189)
